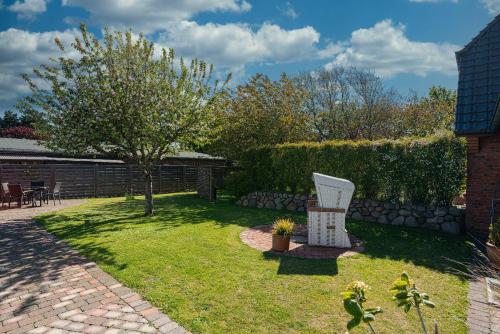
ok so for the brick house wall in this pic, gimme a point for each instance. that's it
(483, 181)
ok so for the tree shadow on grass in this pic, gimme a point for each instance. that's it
(297, 266)
(420, 247)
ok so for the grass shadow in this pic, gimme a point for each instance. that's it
(297, 266)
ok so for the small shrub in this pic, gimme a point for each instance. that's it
(494, 237)
(283, 227)
(353, 299)
(406, 295)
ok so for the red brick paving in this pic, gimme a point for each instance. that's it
(46, 287)
(260, 237)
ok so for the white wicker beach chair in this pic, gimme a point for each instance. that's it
(326, 217)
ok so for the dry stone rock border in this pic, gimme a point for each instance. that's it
(449, 219)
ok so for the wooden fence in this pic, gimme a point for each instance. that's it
(101, 180)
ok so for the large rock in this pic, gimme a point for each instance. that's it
(451, 228)
(291, 206)
(398, 221)
(270, 205)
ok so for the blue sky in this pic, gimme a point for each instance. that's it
(410, 43)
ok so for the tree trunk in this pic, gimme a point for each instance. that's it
(148, 192)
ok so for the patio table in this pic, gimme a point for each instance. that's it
(39, 191)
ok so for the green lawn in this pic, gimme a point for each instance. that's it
(189, 261)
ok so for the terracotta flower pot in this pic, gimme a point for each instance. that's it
(492, 251)
(280, 243)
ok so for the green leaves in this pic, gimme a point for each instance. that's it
(404, 293)
(353, 299)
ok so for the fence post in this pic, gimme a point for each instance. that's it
(159, 179)
(184, 178)
(95, 180)
(52, 181)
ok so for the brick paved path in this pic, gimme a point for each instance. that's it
(482, 318)
(46, 287)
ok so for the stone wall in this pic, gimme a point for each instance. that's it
(277, 201)
(446, 219)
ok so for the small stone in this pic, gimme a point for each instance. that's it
(404, 212)
(382, 220)
(376, 214)
(270, 205)
(357, 215)
(291, 206)
(441, 211)
(456, 211)
(260, 205)
(252, 202)
(301, 209)
(279, 206)
(245, 202)
(391, 216)
(398, 221)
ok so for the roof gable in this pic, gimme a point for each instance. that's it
(479, 82)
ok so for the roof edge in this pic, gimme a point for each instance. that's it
(478, 36)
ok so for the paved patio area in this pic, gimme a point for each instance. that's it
(482, 318)
(46, 287)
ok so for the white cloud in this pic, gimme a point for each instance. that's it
(385, 49)
(493, 6)
(149, 16)
(288, 10)
(28, 9)
(232, 46)
(20, 51)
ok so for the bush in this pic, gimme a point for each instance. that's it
(421, 171)
(283, 227)
(494, 236)
(19, 132)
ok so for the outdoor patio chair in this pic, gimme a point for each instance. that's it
(55, 193)
(326, 217)
(16, 192)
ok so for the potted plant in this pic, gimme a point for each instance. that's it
(282, 230)
(493, 244)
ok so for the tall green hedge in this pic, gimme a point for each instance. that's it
(425, 170)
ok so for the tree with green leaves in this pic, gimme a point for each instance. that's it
(119, 97)
(9, 119)
(262, 112)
